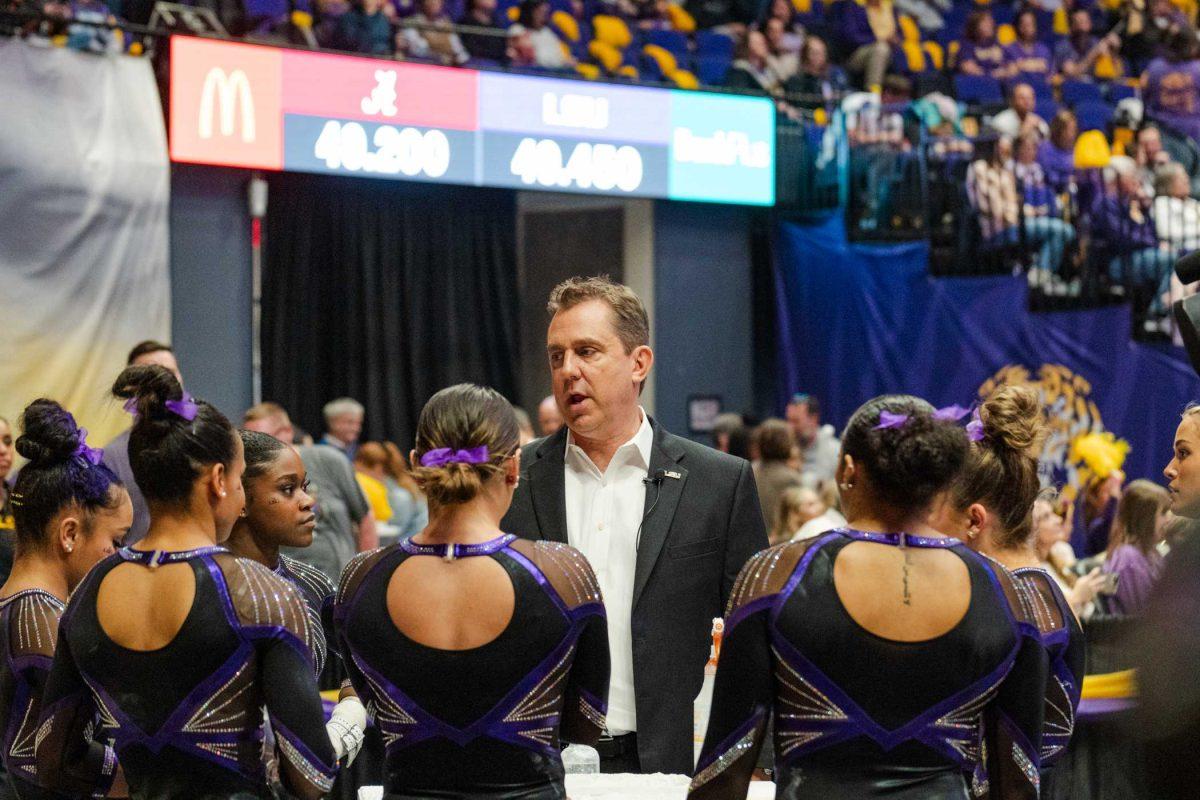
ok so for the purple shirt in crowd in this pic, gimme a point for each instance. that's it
(1172, 94)
(1059, 165)
(1138, 573)
(1030, 59)
(990, 57)
(854, 29)
(1122, 231)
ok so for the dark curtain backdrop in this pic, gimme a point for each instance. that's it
(386, 292)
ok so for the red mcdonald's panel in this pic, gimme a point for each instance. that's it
(348, 87)
(225, 103)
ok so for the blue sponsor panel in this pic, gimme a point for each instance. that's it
(561, 164)
(722, 148)
(369, 149)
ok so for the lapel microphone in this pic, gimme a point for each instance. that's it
(655, 480)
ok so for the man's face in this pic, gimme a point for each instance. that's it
(549, 417)
(1023, 99)
(162, 358)
(275, 426)
(346, 427)
(804, 425)
(595, 381)
(1150, 141)
(1081, 23)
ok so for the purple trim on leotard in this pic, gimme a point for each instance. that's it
(801, 568)
(455, 550)
(541, 579)
(910, 539)
(156, 558)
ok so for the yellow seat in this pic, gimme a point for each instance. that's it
(611, 30)
(802, 6)
(513, 13)
(1062, 26)
(908, 29)
(914, 55)
(1106, 68)
(1006, 34)
(589, 71)
(935, 53)
(684, 79)
(302, 20)
(1091, 151)
(567, 24)
(663, 57)
(609, 57)
(681, 20)
(952, 51)
(628, 71)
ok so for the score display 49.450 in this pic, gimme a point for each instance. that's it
(603, 167)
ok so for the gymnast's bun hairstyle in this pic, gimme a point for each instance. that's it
(1001, 471)
(462, 418)
(168, 451)
(59, 474)
(908, 465)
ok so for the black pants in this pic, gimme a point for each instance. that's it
(619, 754)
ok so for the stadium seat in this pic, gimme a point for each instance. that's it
(681, 19)
(714, 45)
(612, 30)
(1076, 92)
(935, 54)
(1062, 25)
(566, 25)
(1006, 34)
(1046, 109)
(1003, 13)
(711, 70)
(589, 71)
(1093, 116)
(914, 56)
(908, 28)
(1119, 91)
(977, 89)
(1041, 87)
(1091, 150)
(663, 58)
(609, 57)
(672, 41)
(684, 79)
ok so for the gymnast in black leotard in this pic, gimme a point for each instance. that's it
(176, 646)
(889, 654)
(70, 512)
(475, 651)
(990, 507)
(280, 512)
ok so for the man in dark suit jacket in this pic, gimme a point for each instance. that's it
(698, 509)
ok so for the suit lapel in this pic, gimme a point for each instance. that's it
(546, 487)
(657, 523)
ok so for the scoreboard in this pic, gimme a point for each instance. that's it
(260, 107)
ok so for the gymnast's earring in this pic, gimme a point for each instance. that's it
(845, 486)
(972, 532)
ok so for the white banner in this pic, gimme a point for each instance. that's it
(84, 194)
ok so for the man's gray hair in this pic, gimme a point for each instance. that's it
(341, 407)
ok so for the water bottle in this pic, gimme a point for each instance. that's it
(579, 759)
(702, 705)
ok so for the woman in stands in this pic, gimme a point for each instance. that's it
(885, 649)
(980, 53)
(1133, 554)
(7, 525)
(478, 650)
(384, 462)
(281, 513)
(990, 508)
(176, 646)
(70, 511)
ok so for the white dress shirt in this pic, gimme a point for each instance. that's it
(604, 510)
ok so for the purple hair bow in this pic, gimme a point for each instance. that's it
(185, 407)
(890, 419)
(89, 455)
(441, 456)
(975, 427)
(950, 413)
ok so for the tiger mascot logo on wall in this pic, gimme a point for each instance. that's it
(1070, 413)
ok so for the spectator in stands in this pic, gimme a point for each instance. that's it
(724, 16)
(751, 67)
(116, 453)
(772, 473)
(384, 478)
(784, 63)
(365, 29)
(730, 435)
(1049, 536)
(1171, 85)
(482, 14)
(1176, 213)
(1019, 117)
(549, 417)
(524, 426)
(343, 424)
(1038, 197)
(1057, 154)
(868, 33)
(438, 42)
(536, 38)
(1133, 549)
(818, 442)
(92, 38)
(798, 505)
(1149, 155)
(980, 53)
(1077, 55)
(1148, 32)
(791, 36)
(992, 192)
(1123, 227)
(1027, 55)
(926, 13)
(829, 519)
(819, 81)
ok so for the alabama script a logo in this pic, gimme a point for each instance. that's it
(230, 93)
